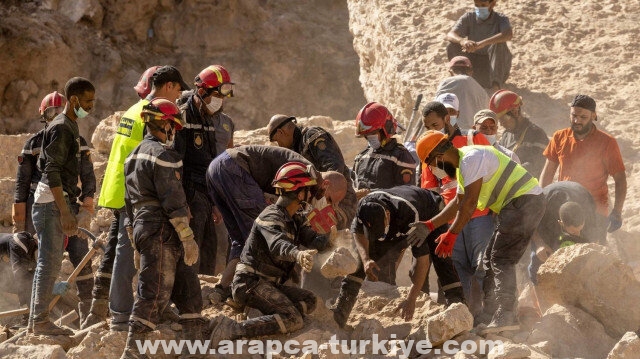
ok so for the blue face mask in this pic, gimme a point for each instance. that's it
(482, 13)
(453, 120)
(80, 112)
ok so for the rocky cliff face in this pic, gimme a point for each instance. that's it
(285, 57)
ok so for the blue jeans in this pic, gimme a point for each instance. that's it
(121, 290)
(467, 256)
(238, 197)
(46, 220)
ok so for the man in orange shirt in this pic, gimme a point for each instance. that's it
(588, 156)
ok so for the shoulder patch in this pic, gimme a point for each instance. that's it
(320, 143)
(406, 175)
(226, 127)
(20, 159)
(178, 176)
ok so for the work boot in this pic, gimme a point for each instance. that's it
(84, 309)
(168, 315)
(454, 295)
(191, 331)
(48, 328)
(220, 294)
(98, 313)
(223, 328)
(138, 332)
(503, 320)
(119, 326)
(346, 300)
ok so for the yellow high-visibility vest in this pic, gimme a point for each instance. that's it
(128, 135)
(511, 180)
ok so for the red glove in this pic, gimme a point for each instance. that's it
(430, 225)
(445, 244)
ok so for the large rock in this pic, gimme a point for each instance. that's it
(340, 263)
(590, 277)
(627, 348)
(509, 351)
(446, 325)
(38, 351)
(570, 332)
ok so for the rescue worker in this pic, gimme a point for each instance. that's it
(484, 121)
(157, 208)
(156, 81)
(473, 240)
(487, 179)
(271, 252)
(526, 139)
(18, 251)
(385, 163)
(237, 181)
(382, 230)
(545, 239)
(207, 133)
(318, 147)
(27, 180)
(55, 200)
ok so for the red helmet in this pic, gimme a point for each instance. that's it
(162, 109)
(504, 101)
(53, 99)
(292, 176)
(373, 117)
(143, 88)
(217, 78)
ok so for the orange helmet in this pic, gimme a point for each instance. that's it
(292, 176)
(373, 117)
(216, 78)
(428, 142)
(504, 101)
(143, 88)
(160, 109)
(51, 105)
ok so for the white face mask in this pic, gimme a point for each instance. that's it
(491, 139)
(319, 203)
(171, 137)
(374, 141)
(453, 120)
(437, 171)
(443, 130)
(214, 105)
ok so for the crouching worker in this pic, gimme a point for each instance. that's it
(157, 208)
(17, 251)
(269, 257)
(383, 229)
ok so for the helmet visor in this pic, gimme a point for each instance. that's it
(51, 112)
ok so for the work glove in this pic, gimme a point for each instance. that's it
(136, 259)
(419, 232)
(305, 259)
(445, 244)
(18, 215)
(615, 221)
(185, 233)
(361, 193)
(61, 288)
(129, 230)
(333, 237)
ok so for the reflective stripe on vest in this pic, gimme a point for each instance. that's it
(509, 181)
(128, 136)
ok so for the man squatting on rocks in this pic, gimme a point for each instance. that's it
(268, 259)
(157, 208)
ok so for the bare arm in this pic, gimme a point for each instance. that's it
(620, 180)
(548, 172)
(495, 39)
(468, 204)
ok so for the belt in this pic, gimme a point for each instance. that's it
(245, 268)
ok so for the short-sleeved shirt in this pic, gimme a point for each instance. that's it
(589, 162)
(469, 26)
(472, 96)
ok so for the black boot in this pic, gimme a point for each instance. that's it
(98, 313)
(191, 331)
(346, 300)
(137, 332)
(454, 295)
